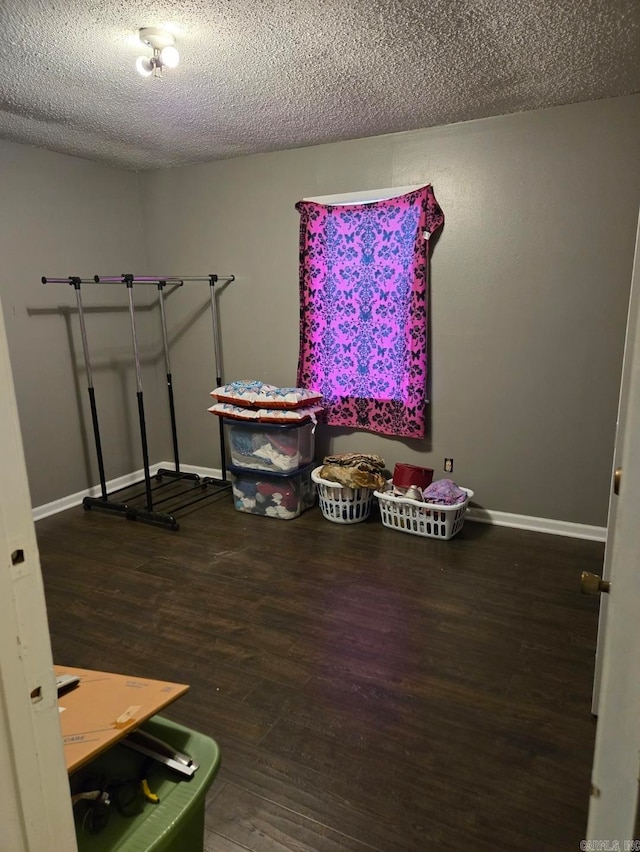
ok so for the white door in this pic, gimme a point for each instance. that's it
(35, 805)
(616, 766)
(634, 307)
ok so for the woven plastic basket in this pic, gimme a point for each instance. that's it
(340, 504)
(431, 520)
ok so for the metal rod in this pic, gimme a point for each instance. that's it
(131, 513)
(138, 279)
(143, 428)
(134, 336)
(216, 332)
(145, 452)
(165, 344)
(119, 279)
(176, 495)
(163, 322)
(190, 480)
(218, 358)
(172, 412)
(208, 495)
(83, 333)
(135, 279)
(176, 282)
(92, 397)
(207, 278)
(69, 280)
(131, 497)
(155, 279)
(177, 474)
(96, 435)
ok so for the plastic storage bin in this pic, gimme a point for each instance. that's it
(431, 520)
(176, 823)
(340, 504)
(275, 495)
(269, 446)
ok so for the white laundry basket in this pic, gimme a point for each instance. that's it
(431, 520)
(340, 504)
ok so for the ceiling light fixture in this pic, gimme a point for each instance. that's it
(165, 54)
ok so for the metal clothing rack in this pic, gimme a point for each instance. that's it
(148, 513)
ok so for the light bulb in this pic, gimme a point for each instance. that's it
(169, 56)
(144, 66)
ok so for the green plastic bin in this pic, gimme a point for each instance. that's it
(176, 822)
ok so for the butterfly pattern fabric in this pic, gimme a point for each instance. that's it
(363, 310)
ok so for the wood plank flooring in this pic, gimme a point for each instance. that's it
(371, 691)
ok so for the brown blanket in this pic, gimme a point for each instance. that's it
(354, 470)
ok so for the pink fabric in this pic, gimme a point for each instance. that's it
(444, 491)
(363, 310)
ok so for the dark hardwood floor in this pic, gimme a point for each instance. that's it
(368, 689)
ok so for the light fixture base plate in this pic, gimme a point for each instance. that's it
(155, 37)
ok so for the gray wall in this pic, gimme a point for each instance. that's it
(65, 216)
(529, 287)
(529, 291)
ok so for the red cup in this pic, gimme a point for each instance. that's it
(406, 475)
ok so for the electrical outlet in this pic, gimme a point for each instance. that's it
(448, 465)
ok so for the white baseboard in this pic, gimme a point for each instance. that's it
(483, 516)
(40, 512)
(543, 525)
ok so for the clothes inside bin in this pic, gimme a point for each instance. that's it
(266, 450)
(275, 495)
(265, 498)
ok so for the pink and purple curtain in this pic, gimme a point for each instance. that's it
(363, 310)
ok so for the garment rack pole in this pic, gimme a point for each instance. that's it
(213, 280)
(128, 280)
(155, 279)
(167, 362)
(176, 473)
(75, 283)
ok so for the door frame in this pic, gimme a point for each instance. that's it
(616, 765)
(35, 804)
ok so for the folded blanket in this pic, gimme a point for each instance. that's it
(356, 460)
(354, 470)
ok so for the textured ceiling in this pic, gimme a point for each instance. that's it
(259, 75)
